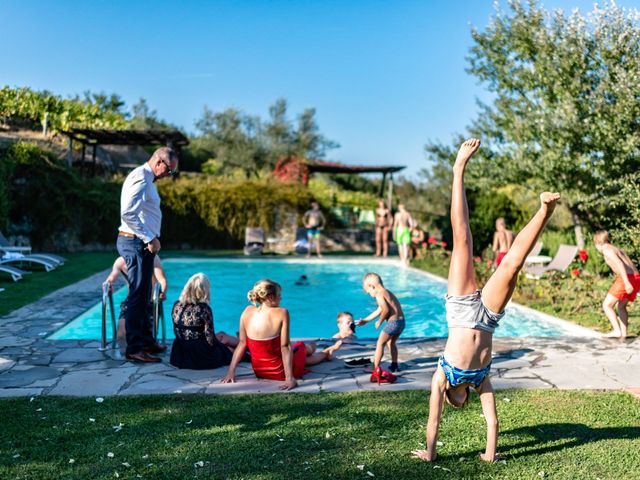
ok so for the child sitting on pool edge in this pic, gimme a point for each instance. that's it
(389, 309)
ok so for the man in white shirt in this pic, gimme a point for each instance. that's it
(138, 242)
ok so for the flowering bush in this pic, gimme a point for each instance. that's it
(577, 266)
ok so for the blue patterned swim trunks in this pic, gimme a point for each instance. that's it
(456, 375)
(394, 327)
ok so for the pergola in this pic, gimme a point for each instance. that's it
(299, 169)
(93, 137)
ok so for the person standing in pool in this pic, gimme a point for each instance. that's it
(314, 222)
(473, 314)
(138, 242)
(402, 223)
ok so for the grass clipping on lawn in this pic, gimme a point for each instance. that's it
(544, 433)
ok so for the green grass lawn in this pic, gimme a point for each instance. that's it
(585, 435)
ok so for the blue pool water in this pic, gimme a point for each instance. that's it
(335, 285)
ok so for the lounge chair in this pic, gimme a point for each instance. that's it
(301, 245)
(16, 273)
(9, 258)
(563, 258)
(537, 248)
(253, 241)
(6, 247)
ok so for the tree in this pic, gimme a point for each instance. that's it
(234, 139)
(565, 113)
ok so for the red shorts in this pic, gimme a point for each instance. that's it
(499, 258)
(618, 291)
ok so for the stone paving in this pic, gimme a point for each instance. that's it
(32, 365)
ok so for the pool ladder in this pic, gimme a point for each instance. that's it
(158, 317)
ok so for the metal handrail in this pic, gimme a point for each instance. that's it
(158, 314)
(107, 295)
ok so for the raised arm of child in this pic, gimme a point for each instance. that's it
(287, 355)
(230, 377)
(488, 401)
(436, 402)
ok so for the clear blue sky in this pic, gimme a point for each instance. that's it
(384, 76)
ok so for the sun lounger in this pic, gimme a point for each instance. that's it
(4, 245)
(14, 258)
(253, 241)
(562, 260)
(301, 245)
(537, 248)
(16, 273)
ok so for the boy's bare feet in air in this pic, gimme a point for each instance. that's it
(467, 149)
(548, 202)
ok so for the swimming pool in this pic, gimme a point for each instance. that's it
(334, 285)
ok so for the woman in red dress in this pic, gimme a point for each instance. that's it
(264, 330)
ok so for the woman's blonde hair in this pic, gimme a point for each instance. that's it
(263, 290)
(196, 290)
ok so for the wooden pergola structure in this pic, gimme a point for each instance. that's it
(92, 137)
(298, 169)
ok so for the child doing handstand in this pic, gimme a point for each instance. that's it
(389, 309)
(472, 314)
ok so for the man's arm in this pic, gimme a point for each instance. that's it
(131, 205)
(488, 401)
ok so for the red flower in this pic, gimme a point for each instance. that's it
(477, 259)
(575, 273)
(582, 255)
(489, 263)
(432, 240)
(443, 244)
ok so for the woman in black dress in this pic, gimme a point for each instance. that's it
(196, 346)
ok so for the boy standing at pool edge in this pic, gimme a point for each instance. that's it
(624, 288)
(389, 309)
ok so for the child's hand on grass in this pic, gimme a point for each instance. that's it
(228, 378)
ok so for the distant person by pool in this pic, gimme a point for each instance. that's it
(314, 222)
(302, 281)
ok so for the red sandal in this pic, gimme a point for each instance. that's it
(382, 376)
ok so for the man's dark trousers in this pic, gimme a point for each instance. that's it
(139, 262)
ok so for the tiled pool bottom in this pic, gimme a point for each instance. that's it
(334, 286)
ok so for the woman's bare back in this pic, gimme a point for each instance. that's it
(263, 322)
